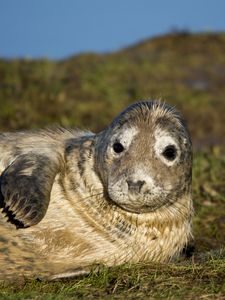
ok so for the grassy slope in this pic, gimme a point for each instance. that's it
(88, 91)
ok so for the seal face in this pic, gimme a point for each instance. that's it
(145, 158)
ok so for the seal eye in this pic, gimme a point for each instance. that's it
(118, 147)
(170, 152)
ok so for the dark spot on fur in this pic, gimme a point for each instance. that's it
(4, 250)
(3, 240)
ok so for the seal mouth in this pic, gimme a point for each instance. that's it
(144, 209)
(132, 208)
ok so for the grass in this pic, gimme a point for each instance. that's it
(88, 91)
(192, 281)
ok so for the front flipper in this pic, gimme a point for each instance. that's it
(25, 187)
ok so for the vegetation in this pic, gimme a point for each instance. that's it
(88, 91)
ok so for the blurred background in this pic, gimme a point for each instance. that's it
(78, 63)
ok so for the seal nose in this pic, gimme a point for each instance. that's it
(135, 186)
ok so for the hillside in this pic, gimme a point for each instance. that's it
(88, 90)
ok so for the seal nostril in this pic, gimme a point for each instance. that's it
(135, 186)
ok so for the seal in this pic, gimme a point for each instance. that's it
(71, 198)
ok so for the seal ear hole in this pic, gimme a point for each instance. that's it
(170, 152)
(118, 147)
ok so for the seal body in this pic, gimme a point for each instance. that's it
(71, 199)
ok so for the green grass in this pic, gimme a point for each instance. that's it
(192, 281)
(88, 91)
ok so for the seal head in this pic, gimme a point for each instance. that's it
(144, 157)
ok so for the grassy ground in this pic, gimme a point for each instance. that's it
(88, 91)
(191, 281)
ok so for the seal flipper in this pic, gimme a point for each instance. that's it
(25, 187)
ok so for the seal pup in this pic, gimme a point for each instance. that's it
(71, 199)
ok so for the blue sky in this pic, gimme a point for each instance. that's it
(61, 28)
